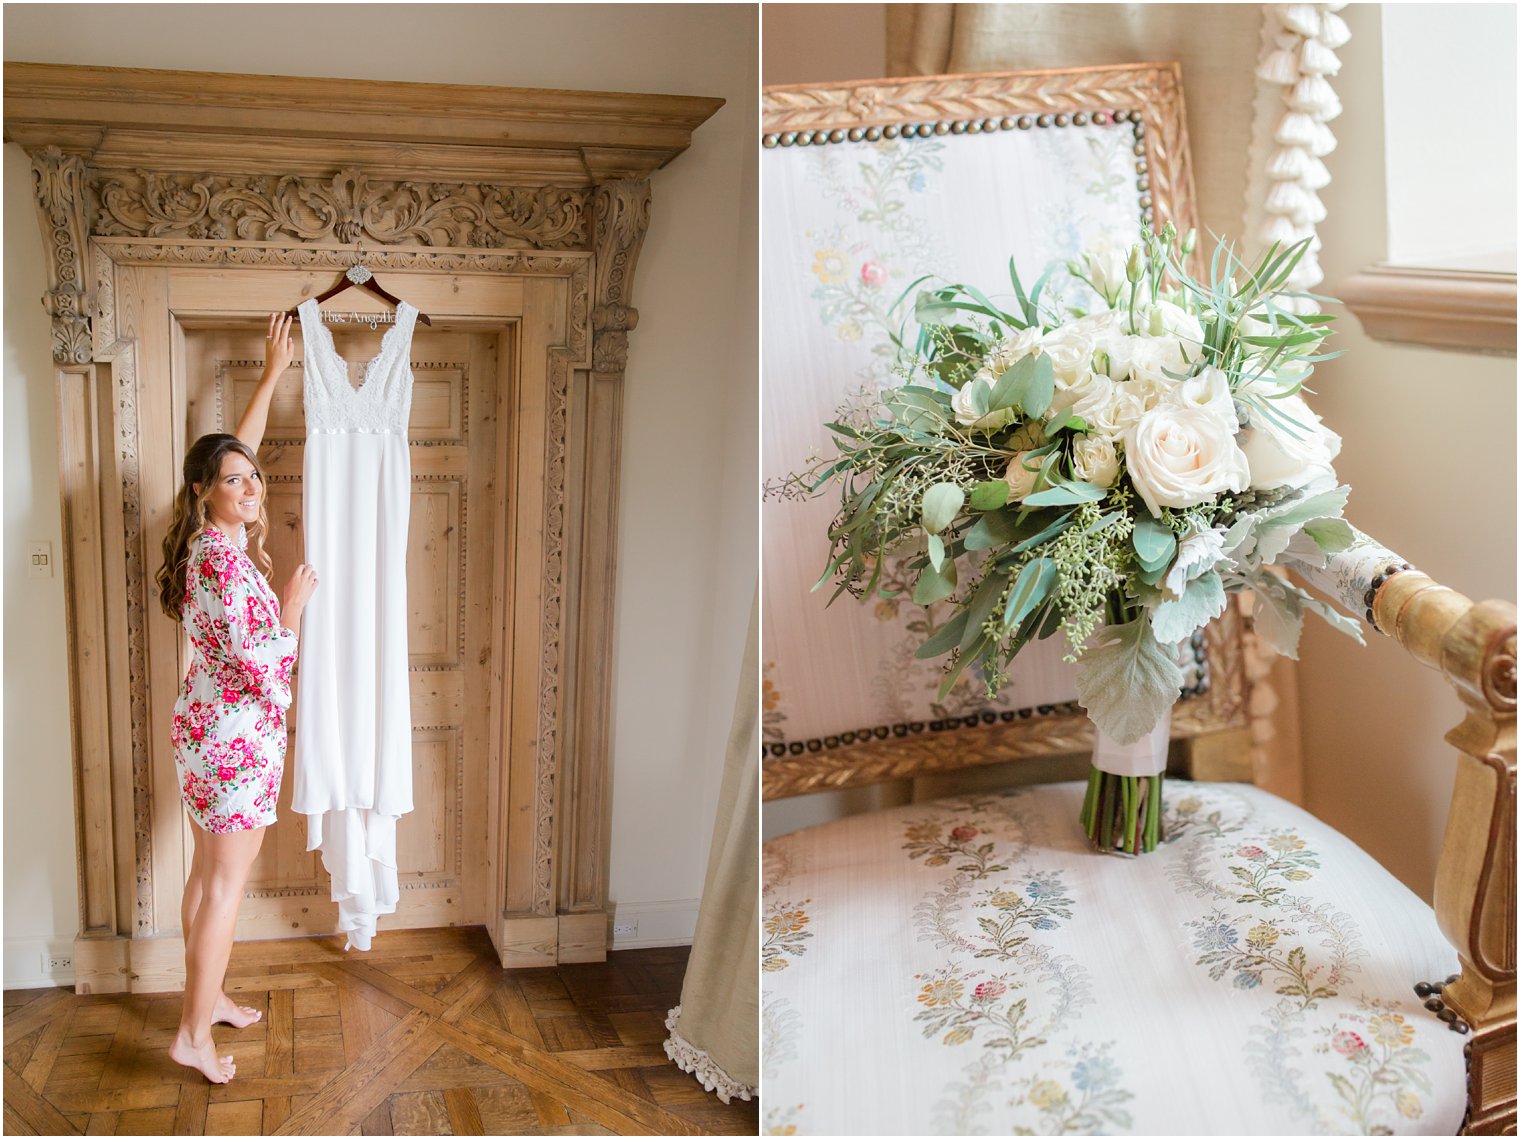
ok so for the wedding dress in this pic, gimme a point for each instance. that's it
(353, 742)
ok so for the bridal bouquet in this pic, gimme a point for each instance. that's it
(1108, 476)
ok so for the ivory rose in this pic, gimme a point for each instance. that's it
(1020, 479)
(1110, 409)
(1289, 455)
(1181, 456)
(1070, 349)
(1094, 459)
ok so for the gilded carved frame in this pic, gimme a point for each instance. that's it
(171, 176)
(1218, 723)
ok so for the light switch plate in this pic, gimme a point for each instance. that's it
(39, 559)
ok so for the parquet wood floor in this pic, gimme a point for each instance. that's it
(424, 1035)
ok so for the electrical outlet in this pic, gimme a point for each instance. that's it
(625, 929)
(57, 961)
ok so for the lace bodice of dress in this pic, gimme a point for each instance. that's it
(383, 401)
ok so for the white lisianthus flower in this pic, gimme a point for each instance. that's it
(1210, 390)
(1182, 456)
(1019, 478)
(1094, 459)
(1174, 321)
(1104, 268)
(1152, 357)
(1292, 455)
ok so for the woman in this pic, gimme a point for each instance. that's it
(229, 722)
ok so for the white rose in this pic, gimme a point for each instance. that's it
(1010, 350)
(1110, 409)
(1210, 390)
(1182, 456)
(1094, 459)
(1283, 455)
(1020, 479)
(960, 402)
(1070, 349)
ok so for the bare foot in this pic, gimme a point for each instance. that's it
(239, 1016)
(217, 1069)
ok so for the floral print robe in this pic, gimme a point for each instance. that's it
(229, 722)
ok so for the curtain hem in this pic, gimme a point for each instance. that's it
(689, 1058)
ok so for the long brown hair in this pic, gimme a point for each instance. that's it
(203, 465)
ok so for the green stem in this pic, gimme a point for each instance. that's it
(1090, 800)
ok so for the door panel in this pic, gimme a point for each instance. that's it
(450, 547)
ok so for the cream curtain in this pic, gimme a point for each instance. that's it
(714, 1031)
(1216, 44)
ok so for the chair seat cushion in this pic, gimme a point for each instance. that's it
(972, 966)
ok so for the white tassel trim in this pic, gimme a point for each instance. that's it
(1317, 59)
(1294, 129)
(1314, 96)
(1321, 140)
(1301, 18)
(689, 1058)
(1289, 164)
(1316, 175)
(1333, 32)
(1279, 68)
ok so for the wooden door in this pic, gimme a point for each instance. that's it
(441, 845)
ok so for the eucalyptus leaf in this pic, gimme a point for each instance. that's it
(989, 495)
(1032, 587)
(1127, 681)
(1154, 542)
(1200, 602)
(1041, 389)
(1011, 383)
(936, 551)
(1066, 494)
(995, 528)
(948, 636)
(935, 584)
(983, 602)
(942, 502)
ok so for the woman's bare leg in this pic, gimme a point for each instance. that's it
(226, 862)
(239, 1016)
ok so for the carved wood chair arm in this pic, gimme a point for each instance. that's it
(1473, 647)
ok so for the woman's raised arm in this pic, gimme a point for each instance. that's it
(279, 351)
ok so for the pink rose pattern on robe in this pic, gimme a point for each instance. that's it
(228, 729)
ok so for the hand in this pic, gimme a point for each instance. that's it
(279, 347)
(302, 584)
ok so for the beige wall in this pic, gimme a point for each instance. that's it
(687, 544)
(822, 43)
(1429, 452)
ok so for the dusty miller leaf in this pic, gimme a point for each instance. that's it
(1201, 601)
(1127, 681)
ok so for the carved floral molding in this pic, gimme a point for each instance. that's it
(348, 207)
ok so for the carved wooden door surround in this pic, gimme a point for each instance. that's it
(165, 196)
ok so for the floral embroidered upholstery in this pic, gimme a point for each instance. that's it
(970, 966)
